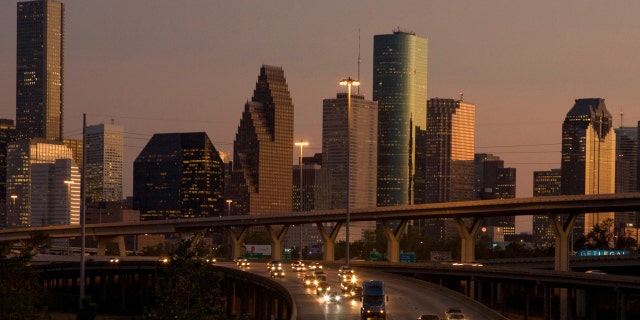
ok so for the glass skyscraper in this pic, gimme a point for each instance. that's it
(178, 175)
(39, 70)
(400, 87)
(261, 181)
(588, 161)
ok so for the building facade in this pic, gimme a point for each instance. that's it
(39, 70)
(355, 142)
(261, 181)
(545, 183)
(588, 156)
(400, 87)
(449, 158)
(105, 151)
(41, 174)
(494, 181)
(7, 136)
(178, 175)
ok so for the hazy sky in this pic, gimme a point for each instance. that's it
(159, 66)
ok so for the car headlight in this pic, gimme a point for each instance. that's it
(326, 298)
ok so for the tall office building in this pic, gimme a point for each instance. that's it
(39, 71)
(178, 175)
(7, 136)
(626, 171)
(494, 181)
(359, 175)
(588, 156)
(105, 144)
(261, 181)
(545, 183)
(41, 174)
(400, 87)
(449, 158)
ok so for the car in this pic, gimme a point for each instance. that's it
(331, 297)
(318, 279)
(348, 277)
(323, 288)
(319, 273)
(356, 292)
(243, 263)
(298, 266)
(428, 317)
(454, 314)
(595, 271)
(314, 266)
(344, 269)
(274, 264)
(307, 280)
(275, 273)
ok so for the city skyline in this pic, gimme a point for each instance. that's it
(522, 64)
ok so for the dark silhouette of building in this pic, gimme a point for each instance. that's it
(261, 181)
(494, 181)
(400, 87)
(7, 136)
(39, 70)
(545, 183)
(178, 175)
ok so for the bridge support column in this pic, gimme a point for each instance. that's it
(468, 238)
(329, 241)
(563, 246)
(103, 242)
(276, 240)
(236, 241)
(393, 244)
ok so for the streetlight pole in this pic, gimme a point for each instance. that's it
(348, 82)
(301, 144)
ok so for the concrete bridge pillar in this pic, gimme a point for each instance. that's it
(103, 242)
(563, 248)
(392, 236)
(276, 240)
(468, 238)
(236, 241)
(329, 241)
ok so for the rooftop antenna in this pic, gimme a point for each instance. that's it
(621, 118)
(461, 95)
(359, 61)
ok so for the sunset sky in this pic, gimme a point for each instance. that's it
(183, 66)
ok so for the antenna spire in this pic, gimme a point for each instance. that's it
(621, 118)
(359, 61)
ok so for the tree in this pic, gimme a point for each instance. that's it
(601, 236)
(21, 294)
(189, 287)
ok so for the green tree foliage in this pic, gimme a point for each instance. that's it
(189, 287)
(21, 295)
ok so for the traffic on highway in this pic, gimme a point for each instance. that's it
(328, 292)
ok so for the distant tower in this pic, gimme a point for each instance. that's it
(545, 183)
(449, 157)
(494, 181)
(105, 150)
(39, 72)
(588, 156)
(363, 155)
(7, 136)
(626, 171)
(178, 175)
(400, 87)
(261, 181)
(41, 174)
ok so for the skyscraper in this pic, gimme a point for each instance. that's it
(449, 158)
(261, 181)
(104, 163)
(41, 174)
(588, 156)
(545, 183)
(39, 70)
(362, 153)
(400, 87)
(7, 136)
(626, 171)
(494, 181)
(178, 175)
